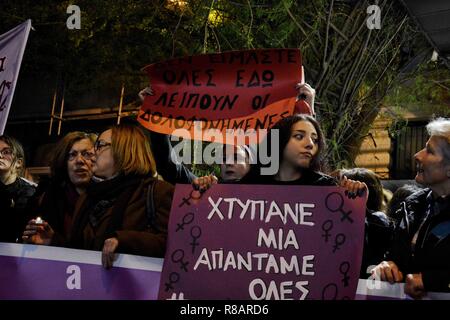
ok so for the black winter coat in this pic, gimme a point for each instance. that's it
(421, 241)
(15, 209)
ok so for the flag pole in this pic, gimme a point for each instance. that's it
(120, 104)
(52, 115)
(61, 114)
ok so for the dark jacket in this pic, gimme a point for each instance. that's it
(377, 239)
(421, 241)
(119, 208)
(15, 209)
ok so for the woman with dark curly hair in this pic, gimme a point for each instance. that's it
(71, 173)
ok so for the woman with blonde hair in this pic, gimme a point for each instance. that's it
(127, 209)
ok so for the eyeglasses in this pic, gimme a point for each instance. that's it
(6, 153)
(86, 155)
(99, 144)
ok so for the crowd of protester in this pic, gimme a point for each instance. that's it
(113, 192)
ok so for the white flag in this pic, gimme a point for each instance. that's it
(12, 46)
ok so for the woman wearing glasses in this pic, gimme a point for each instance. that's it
(71, 173)
(15, 191)
(127, 209)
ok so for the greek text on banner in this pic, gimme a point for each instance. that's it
(224, 85)
(254, 242)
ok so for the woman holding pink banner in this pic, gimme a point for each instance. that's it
(420, 252)
(126, 209)
(301, 147)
